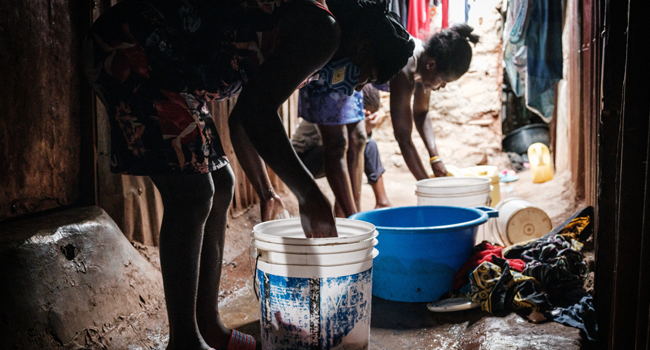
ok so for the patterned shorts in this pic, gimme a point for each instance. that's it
(330, 108)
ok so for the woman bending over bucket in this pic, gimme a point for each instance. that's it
(444, 58)
(156, 63)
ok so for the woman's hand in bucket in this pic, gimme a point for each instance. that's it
(439, 169)
(317, 217)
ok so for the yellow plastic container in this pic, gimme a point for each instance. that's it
(540, 162)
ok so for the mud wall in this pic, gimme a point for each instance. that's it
(39, 105)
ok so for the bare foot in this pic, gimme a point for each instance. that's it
(383, 205)
(273, 209)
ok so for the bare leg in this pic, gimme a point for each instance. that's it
(335, 143)
(356, 146)
(187, 199)
(381, 199)
(270, 203)
(207, 307)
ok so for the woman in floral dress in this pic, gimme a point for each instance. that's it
(156, 63)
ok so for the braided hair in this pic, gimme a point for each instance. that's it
(390, 44)
(451, 50)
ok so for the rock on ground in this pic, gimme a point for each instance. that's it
(73, 281)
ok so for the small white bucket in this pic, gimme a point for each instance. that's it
(519, 221)
(315, 293)
(454, 191)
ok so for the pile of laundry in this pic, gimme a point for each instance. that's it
(542, 277)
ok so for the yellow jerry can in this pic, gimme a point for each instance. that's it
(540, 162)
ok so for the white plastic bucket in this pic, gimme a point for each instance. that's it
(314, 293)
(491, 172)
(454, 191)
(519, 221)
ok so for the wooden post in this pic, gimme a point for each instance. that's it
(576, 126)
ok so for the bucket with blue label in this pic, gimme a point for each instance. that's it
(314, 293)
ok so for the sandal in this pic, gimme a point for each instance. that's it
(241, 341)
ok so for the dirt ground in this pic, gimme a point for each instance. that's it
(410, 325)
(404, 325)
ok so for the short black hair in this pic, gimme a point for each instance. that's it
(371, 100)
(450, 49)
(390, 44)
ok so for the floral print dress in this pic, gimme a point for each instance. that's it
(155, 65)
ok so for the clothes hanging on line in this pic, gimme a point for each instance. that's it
(532, 39)
(418, 19)
(445, 14)
(515, 50)
(544, 57)
(401, 8)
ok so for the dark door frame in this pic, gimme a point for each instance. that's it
(622, 242)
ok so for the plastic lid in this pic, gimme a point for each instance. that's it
(452, 304)
(289, 231)
(528, 223)
(453, 185)
(453, 181)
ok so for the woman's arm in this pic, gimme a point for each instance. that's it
(401, 91)
(309, 38)
(421, 102)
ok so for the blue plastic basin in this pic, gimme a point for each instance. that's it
(421, 248)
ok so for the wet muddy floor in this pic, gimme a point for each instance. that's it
(398, 325)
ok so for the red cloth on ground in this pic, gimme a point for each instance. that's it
(483, 252)
(418, 23)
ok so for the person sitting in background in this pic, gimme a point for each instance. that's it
(444, 58)
(372, 162)
(307, 142)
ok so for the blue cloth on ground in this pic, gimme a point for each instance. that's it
(578, 311)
